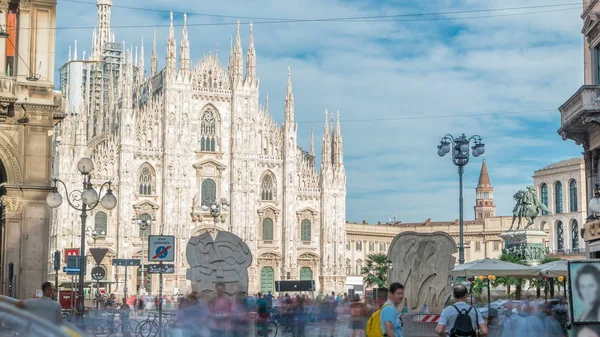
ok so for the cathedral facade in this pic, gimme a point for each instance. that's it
(188, 136)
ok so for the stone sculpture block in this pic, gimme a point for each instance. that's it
(422, 263)
(226, 259)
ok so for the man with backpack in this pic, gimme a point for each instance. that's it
(461, 319)
(386, 322)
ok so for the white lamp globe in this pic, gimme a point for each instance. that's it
(594, 205)
(85, 165)
(89, 196)
(481, 149)
(446, 148)
(213, 207)
(441, 153)
(54, 199)
(109, 201)
(464, 147)
(475, 153)
(205, 208)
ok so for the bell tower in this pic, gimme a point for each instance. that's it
(484, 201)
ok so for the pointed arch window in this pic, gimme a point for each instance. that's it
(560, 236)
(209, 192)
(558, 197)
(100, 223)
(208, 131)
(267, 188)
(305, 230)
(574, 235)
(267, 229)
(544, 197)
(573, 195)
(146, 180)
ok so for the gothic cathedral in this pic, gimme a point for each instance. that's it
(184, 137)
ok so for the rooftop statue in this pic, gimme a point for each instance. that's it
(527, 206)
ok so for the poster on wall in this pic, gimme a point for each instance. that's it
(586, 331)
(584, 291)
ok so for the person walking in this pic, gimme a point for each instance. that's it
(390, 320)
(461, 319)
(45, 307)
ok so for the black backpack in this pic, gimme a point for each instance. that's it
(463, 326)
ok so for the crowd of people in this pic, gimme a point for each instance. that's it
(202, 315)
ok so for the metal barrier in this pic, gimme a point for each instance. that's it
(419, 325)
(423, 325)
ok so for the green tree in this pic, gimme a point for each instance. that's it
(375, 270)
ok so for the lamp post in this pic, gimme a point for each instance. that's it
(215, 207)
(460, 157)
(144, 221)
(83, 200)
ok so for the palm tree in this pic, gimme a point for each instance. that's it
(510, 281)
(548, 284)
(375, 270)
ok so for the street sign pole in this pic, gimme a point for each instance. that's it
(160, 291)
(125, 289)
(56, 269)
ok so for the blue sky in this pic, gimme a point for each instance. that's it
(399, 85)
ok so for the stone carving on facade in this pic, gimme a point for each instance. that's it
(226, 259)
(422, 262)
(13, 205)
(146, 207)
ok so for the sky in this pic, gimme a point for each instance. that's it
(496, 68)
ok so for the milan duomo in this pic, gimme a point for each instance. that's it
(182, 137)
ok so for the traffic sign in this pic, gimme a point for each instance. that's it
(71, 252)
(98, 254)
(98, 273)
(161, 248)
(57, 260)
(161, 268)
(71, 270)
(126, 262)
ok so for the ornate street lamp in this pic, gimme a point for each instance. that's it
(83, 200)
(215, 209)
(144, 221)
(460, 157)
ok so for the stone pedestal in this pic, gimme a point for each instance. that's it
(528, 245)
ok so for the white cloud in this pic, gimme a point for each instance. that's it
(393, 70)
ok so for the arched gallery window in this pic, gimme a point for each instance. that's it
(558, 198)
(574, 235)
(544, 197)
(573, 196)
(560, 236)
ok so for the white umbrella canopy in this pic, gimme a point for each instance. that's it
(494, 267)
(554, 268)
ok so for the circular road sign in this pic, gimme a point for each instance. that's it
(98, 273)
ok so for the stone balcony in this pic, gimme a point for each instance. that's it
(579, 113)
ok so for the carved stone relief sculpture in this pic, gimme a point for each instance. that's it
(422, 262)
(226, 259)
